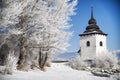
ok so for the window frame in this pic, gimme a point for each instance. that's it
(88, 43)
(101, 43)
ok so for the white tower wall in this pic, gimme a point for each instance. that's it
(87, 52)
(90, 52)
(103, 48)
(92, 40)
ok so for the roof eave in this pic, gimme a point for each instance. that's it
(84, 34)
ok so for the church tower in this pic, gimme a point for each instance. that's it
(92, 40)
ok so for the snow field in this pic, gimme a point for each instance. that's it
(58, 71)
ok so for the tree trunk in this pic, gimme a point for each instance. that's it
(21, 61)
(42, 59)
(23, 26)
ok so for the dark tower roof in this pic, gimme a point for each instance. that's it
(92, 28)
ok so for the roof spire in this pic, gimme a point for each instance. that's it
(92, 27)
(91, 12)
(92, 20)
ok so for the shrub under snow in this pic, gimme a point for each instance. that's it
(103, 60)
(10, 64)
(77, 63)
(106, 60)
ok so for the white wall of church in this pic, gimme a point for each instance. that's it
(89, 52)
(103, 48)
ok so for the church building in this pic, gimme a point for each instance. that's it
(92, 40)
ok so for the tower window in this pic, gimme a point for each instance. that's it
(88, 43)
(101, 44)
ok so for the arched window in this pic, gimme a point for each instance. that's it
(88, 43)
(101, 44)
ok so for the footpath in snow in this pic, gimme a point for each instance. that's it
(58, 71)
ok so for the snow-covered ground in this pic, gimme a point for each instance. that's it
(58, 71)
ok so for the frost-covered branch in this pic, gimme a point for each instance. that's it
(41, 23)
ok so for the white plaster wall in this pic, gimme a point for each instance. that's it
(88, 52)
(94, 49)
(100, 49)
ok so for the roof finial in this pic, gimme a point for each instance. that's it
(91, 12)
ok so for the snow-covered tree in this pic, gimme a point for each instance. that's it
(78, 63)
(106, 60)
(103, 61)
(40, 26)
